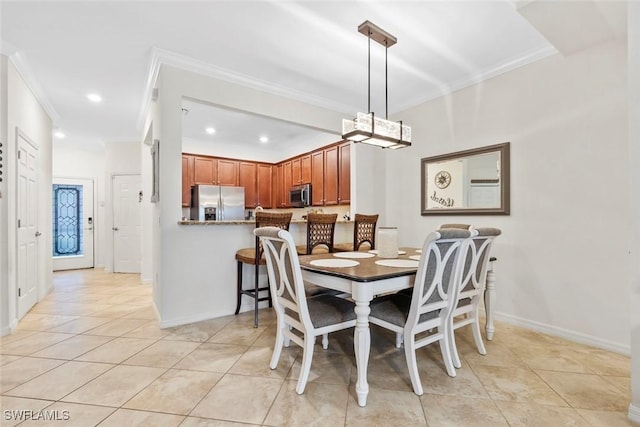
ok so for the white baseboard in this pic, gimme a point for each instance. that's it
(634, 413)
(5, 331)
(564, 333)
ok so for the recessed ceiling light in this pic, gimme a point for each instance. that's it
(59, 134)
(210, 130)
(264, 139)
(94, 97)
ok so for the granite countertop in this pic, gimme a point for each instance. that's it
(245, 222)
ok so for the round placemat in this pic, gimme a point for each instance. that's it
(375, 251)
(353, 255)
(419, 251)
(337, 263)
(416, 257)
(404, 263)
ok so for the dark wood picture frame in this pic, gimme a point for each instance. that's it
(427, 185)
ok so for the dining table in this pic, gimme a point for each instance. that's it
(364, 275)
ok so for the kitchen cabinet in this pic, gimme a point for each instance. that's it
(227, 172)
(331, 176)
(344, 173)
(187, 179)
(247, 179)
(317, 178)
(287, 181)
(279, 193)
(301, 170)
(264, 185)
(214, 171)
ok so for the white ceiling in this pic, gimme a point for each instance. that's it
(309, 50)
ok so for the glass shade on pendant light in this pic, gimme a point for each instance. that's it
(376, 131)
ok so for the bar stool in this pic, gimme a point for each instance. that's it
(320, 232)
(364, 231)
(254, 256)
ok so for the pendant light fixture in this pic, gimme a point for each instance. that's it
(366, 127)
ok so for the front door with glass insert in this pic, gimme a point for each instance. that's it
(73, 223)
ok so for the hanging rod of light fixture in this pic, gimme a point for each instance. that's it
(366, 127)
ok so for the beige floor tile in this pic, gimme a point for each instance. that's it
(212, 357)
(72, 415)
(606, 418)
(116, 386)
(42, 322)
(550, 358)
(435, 379)
(603, 362)
(197, 332)
(587, 391)
(162, 354)
(532, 415)
(385, 408)
(116, 350)
(33, 343)
(623, 383)
(176, 392)
(26, 368)
(238, 334)
(387, 371)
(16, 335)
(60, 381)
(147, 313)
(149, 330)
(117, 327)
(73, 347)
(256, 395)
(319, 405)
(268, 337)
(326, 367)
(454, 411)
(255, 361)
(516, 384)
(80, 325)
(128, 417)
(206, 422)
(497, 355)
(7, 358)
(16, 407)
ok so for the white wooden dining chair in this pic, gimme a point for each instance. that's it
(300, 318)
(474, 275)
(430, 305)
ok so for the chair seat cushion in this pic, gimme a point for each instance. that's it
(325, 310)
(248, 256)
(395, 309)
(348, 247)
(302, 250)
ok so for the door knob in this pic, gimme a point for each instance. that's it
(38, 234)
(115, 228)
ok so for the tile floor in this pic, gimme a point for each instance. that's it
(92, 352)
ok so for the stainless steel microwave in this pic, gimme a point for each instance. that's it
(300, 196)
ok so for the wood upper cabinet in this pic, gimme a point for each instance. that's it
(227, 172)
(331, 176)
(264, 185)
(247, 179)
(344, 173)
(317, 178)
(287, 182)
(301, 170)
(187, 179)
(278, 186)
(205, 170)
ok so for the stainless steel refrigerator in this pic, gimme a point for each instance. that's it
(217, 203)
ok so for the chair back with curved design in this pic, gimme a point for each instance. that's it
(312, 317)
(364, 233)
(431, 303)
(320, 231)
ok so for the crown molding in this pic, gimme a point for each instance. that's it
(509, 65)
(24, 69)
(161, 57)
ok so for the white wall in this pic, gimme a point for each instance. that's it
(25, 113)
(189, 289)
(121, 158)
(562, 256)
(4, 240)
(72, 162)
(634, 198)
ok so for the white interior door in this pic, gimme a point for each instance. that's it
(27, 216)
(127, 224)
(73, 224)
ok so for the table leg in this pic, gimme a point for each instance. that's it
(489, 301)
(362, 338)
